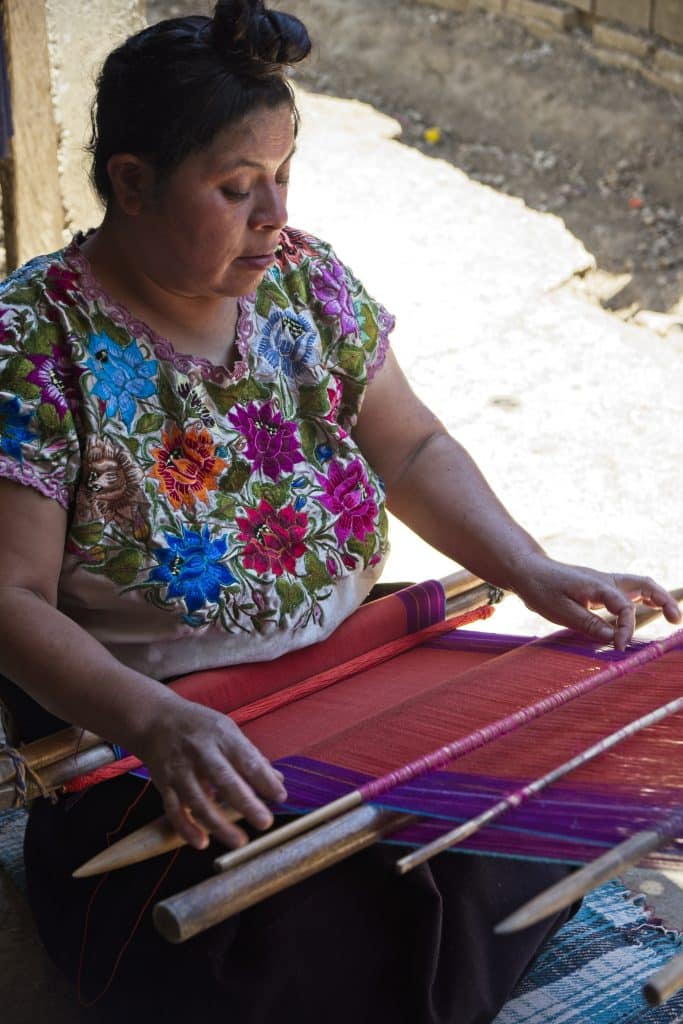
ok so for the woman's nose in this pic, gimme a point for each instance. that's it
(271, 209)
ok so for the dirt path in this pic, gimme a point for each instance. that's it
(540, 120)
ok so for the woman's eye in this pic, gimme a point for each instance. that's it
(232, 193)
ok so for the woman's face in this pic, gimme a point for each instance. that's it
(213, 227)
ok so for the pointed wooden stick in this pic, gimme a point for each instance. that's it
(665, 983)
(149, 841)
(599, 871)
(524, 793)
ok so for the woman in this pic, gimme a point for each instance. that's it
(201, 418)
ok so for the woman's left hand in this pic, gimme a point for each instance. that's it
(566, 594)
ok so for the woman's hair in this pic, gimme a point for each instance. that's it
(169, 89)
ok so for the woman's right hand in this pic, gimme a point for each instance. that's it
(199, 759)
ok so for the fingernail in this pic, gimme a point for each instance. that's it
(264, 819)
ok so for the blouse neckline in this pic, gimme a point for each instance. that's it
(163, 348)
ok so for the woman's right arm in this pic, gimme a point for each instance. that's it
(196, 757)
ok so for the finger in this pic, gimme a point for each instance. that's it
(258, 771)
(199, 814)
(181, 821)
(652, 594)
(231, 788)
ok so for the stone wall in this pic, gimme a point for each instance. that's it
(640, 35)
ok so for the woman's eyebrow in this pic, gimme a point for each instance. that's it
(232, 165)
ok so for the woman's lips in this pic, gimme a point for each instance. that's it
(258, 262)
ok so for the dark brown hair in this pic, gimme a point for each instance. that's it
(168, 90)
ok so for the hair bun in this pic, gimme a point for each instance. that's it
(255, 41)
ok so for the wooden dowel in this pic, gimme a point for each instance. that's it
(221, 896)
(599, 871)
(52, 748)
(55, 775)
(665, 983)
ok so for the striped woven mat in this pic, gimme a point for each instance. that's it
(592, 972)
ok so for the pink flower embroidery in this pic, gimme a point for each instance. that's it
(274, 538)
(349, 495)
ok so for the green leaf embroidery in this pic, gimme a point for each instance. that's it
(132, 444)
(275, 494)
(169, 400)
(226, 507)
(352, 360)
(235, 478)
(244, 391)
(123, 568)
(317, 575)
(309, 439)
(148, 422)
(364, 548)
(291, 596)
(313, 401)
(87, 534)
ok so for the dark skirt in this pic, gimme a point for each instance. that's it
(354, 944)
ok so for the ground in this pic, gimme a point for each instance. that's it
(538, 119)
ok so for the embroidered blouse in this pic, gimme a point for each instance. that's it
(215, 516)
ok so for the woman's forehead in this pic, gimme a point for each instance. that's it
(261, 139)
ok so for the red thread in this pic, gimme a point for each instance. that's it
(313, 684)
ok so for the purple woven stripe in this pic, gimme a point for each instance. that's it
(566, 823)
(573, 643)
(482, 643)
(425, 604)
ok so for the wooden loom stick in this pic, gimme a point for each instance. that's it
(592, 875)
(463, 591)
(524, 793)
(156, 837)
(665, 983)
(183, 915)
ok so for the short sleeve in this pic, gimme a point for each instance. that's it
(38, 388)
(373, 324)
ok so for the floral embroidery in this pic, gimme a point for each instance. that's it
(329, 287)
(14, 428)
(349, 495)
(191, 568)
(123, 374)
(289, 344)
(211, 497)
(112, 484)
(187, 466)
(57, 379)
(274, 539)
(271, 442)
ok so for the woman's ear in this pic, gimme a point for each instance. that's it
(132, 181)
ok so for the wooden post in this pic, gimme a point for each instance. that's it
(31, 195)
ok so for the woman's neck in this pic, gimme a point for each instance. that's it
(203, 326)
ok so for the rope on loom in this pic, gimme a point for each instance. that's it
(297, 691)
(23, 774)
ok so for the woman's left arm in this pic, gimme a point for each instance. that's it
(435, 487)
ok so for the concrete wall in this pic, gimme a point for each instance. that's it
(640, 35)
(79, 37)
(54, 50)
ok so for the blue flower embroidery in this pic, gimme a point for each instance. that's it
(192, 569)
(289, 343)
(123, 374)
(13, 427)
